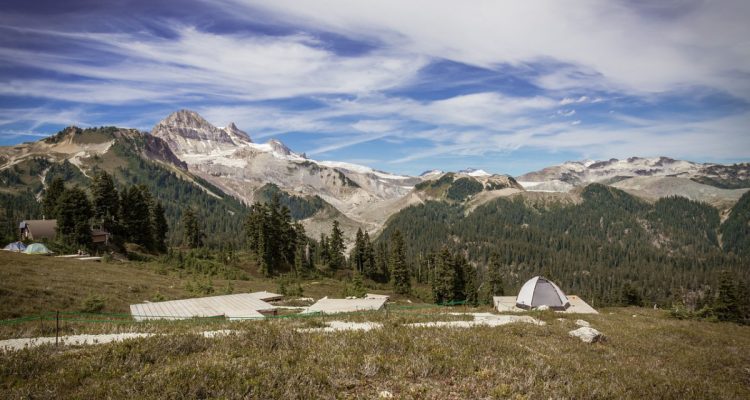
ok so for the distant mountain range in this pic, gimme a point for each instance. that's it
(223, 163)
(649, 178)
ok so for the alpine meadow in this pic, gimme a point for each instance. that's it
(374, 199)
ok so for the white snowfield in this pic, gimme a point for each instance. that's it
(361, 169)
(479, 172)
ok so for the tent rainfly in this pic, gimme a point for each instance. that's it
(37, 248)
(539, 291)
(15, 246)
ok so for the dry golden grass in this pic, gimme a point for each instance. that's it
(34, 284)
(649, 356)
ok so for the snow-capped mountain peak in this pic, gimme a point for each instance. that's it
(570, 174)
(279, 147)
(431, 172)
(474, 172)
(238, 136)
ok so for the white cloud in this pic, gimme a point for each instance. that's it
(141, 66)
(566, 113)
(570, 100)
(605, 44)
(35, 117)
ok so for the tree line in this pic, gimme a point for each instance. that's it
(280, 245)
(130, 215)
(610, 249)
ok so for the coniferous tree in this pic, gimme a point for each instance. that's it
(443, 281)
(105, 202)
(460, 267)
(51, 195)
(193, 233)
(73, 222)
(336, 247)
(471, 293)
(727, 305)
(160, 227)
(325, 251)
(301, 255)
(494, 283)
(368, 254)
(629, 295)
(135, 216)
(274, 238)
(399, 267)
(357, 256)
(381, 262)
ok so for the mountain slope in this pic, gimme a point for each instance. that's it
(227, 158)
(589, 246)
(133, 158)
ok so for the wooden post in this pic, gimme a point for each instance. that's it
(57, 327)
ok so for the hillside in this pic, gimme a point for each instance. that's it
(592, 246)
(229, 159)
(40, 284)
(133, 158)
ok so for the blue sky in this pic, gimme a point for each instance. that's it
(405, 87)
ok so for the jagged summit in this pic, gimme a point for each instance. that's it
(279, 147)
(237, 134)
(186, 131)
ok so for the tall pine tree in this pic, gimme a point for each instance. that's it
(493, 286)
(105, 202)
(193, 233)
(49, 202)
(443, 280)
(159, 227)
(73, 222)
(336, 247)
(399, 268)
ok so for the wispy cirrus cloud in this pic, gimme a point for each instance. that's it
(619, 45)
(193, 63)
(346, 80)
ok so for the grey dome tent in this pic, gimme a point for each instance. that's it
(15, 246)
(539, 291)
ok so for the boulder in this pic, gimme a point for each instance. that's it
(542, 308)
(587, 334)
(581, 322)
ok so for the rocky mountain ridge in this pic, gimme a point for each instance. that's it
(227, 159)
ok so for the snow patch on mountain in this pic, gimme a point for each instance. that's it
(361, 169)
(432, 172)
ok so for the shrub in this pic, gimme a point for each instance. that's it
(93, 304)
